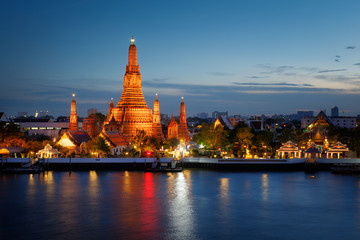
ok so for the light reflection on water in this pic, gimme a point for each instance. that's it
(194, 204)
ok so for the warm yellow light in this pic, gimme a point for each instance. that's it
(132, 40)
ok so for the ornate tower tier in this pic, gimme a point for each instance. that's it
(172, 128)
(73, 126)
(183, 130)
(132, 112)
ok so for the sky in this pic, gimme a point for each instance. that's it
(247, 57)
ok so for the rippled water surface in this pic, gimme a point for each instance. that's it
(195, 204)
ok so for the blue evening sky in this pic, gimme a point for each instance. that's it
(245, 57)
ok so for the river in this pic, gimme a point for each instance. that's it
(194, 204)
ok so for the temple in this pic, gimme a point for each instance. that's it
(73, 126)
(183, 129)
(172, 128)
(123, 121)
(157, 129)
(132, 113)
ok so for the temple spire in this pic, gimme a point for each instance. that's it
(73, 126)
(132, 54)
(183, 130)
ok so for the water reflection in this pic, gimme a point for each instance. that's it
(265, 187)
(70, 191)
(181, 210)
(31, 190)
(48, 179)
(150, 209)
(137, 205)
(94, 197)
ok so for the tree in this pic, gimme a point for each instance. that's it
(244, 139)
(138, 141)
(212, 137)
(99, 145)
(171, 143)
(286, 135)
(262, 140)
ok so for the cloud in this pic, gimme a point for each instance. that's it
(332, 70)
(357, 64)
(279, 69)
(256, 77)
(350, 47)
(284, 70)
(157, 79)
(221, 74)
(272, 84)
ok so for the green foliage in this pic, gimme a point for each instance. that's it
(100, 118)
(286, 135)
(99, 145)
(171, 143)
(143, 142)
(212, 137)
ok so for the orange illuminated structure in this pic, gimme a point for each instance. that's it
(157, 129)
(183, 130)
(172, 128)
(132, 112)
(73, 126)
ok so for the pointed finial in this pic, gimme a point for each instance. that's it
(156, 95)
(132, 40)
(182, 99)
(73, 96)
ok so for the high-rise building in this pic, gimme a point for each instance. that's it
(335, 112)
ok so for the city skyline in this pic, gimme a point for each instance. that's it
(245, 57)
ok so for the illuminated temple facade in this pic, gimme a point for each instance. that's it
(132, 112)
(130, 115)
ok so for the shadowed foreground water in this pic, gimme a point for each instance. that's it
(195, 204)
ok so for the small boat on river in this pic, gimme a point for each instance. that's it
(164, 167)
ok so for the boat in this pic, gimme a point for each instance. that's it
(346, 168)
(164, 167)
(25, 168)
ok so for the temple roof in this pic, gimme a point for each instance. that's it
(78, 137)
(114, 138)
(321, 121)
(224, 122)
(313, 149)
(288, 146)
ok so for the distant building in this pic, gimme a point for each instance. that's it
(301, 114)
(202, 115)
(22, 114)
(215, 114)
(50, 129)
(335, 112)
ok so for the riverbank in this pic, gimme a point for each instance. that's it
(236, 164)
